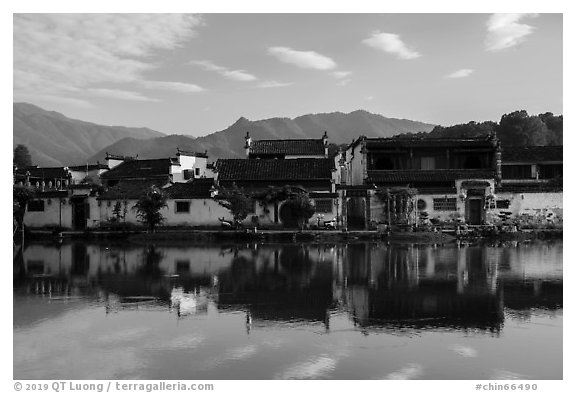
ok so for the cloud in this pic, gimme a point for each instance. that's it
(302, 59)
(506, 31)
(172, 86)
(236, 75)
(341, 74)
(120, 95)
(344, 82)
(391, 43)
(271, 84)
(64, 54)
(463, 73)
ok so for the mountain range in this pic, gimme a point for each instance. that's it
(54, 139)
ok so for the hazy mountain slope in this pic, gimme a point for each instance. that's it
(53, 139)
(229, 143)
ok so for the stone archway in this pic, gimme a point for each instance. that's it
(288, 217)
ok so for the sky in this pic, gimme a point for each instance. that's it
(195, 74)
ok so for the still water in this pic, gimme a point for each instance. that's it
(280, 311)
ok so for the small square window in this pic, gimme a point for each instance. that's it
(36, 206)
(182, 207)
(502, 204)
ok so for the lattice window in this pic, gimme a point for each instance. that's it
(502, 204)
(446, 204)
(323, 205)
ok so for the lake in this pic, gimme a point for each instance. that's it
(359, 310)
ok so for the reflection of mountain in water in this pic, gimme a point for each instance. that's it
(378, 286)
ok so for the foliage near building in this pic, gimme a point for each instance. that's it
(237, 202)
(22, 157)
(148, 207)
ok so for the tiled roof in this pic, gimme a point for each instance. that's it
(532, 154)
(374, 143)
(44, 173)
(131, 189)
(300, 147)
(439, 175)
(528, 187)
(90, 167)
(192, 153)
(266, 170)
(196, 189)
(140, 169)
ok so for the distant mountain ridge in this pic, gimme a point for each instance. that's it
(55, 140)
(229, 143)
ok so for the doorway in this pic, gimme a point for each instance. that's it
(355, 212)
(79, 213)
(475, 211)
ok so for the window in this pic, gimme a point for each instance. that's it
(550, 171)
(323, 205)
(447, 204)
(516, 171)
(502, 204)
(428, 163)
(197, 171)
(251, 207)
(182, 207)
(182, 266)
(36, 206)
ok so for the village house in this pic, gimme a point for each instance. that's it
(273, 164)
(87, 173)
(531, 187)
(375, 180)
(459, 180)
(447, 179)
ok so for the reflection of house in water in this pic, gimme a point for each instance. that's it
(437, 287)
(291, 283)
(376, 284)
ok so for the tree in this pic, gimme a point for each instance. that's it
(21, 196)
(149, 205)
(235, 200)
(301, 207)
(520, 129)
(22, 156)
(556, 126)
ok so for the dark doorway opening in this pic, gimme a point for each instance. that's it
(288, 217)
(355, 213)
(475, 211)
(79, 213)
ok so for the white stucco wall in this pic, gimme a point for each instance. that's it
(51, 214)
(355, 165)
(539, 207)
(202, 212)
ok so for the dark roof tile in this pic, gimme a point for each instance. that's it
(140, 169)
(375, 143)
(89, 167)
(439, 175)
(266, 170)
(44, 173)
(196, 189)
(300, 147)
(131, 189)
